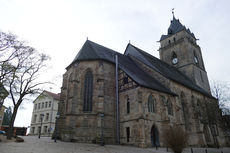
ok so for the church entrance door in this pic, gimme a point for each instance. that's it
(155, 137)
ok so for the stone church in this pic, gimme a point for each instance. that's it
(130, 98)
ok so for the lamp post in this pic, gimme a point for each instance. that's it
(55, 135)
(39, 135)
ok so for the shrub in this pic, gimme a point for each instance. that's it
(175, 138)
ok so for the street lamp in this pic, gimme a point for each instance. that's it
(55, 135)
(39, 135)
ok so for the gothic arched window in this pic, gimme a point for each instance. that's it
(128, 106)
(195, 58)
(151, 104)
(185, 110)
(170, 107)
(69, 92)
(88, 91)
(174, 58)
(199, 110)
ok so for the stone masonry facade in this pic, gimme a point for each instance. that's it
(88, 95)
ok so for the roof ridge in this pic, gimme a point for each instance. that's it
(103, 46)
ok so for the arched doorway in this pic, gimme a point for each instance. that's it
(155, 136)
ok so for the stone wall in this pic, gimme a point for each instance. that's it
(76, 125)
(195, 125)
(88, 126)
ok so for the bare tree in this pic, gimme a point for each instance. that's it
(21, 65)
(9, 50)
(221, 91)
(219, 113)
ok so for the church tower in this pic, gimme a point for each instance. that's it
(179, 49)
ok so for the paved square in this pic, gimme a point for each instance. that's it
(45, 145)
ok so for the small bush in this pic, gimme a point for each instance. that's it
(19, 139)
(175, 138)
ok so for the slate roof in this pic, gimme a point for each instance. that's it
(163, 68)
(175, 27)
(55, 96)
(94, 51)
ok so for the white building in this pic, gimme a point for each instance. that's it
(44, 114)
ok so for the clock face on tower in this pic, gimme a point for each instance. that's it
(175, 60)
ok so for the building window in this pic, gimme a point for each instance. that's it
(46, 104)
(174, 58)
(185, 111)
(39, 129)
(174, 39)
(39, 106)
(125, 80)
(47, 116)
(41, 117)
(127, 133)
(195, 58)
(43, 105)
(139, 94)
(35, 106)
(199, 110)
(170, 107)
(88, 91)
(128, 106)
(33, 130)
(35, 118)
(45, 129)
(49, 103)
(151, 104)
(206, 134)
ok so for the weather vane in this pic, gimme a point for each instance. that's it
(173, 11)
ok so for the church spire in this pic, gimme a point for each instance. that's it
(175, 26)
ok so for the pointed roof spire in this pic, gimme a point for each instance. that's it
(176, 26)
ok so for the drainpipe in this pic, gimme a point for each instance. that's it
(117, 104)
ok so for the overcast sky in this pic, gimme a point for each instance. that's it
(60, 28)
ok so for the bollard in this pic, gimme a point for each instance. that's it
(156, 147)
(221, 151)
(167, 149)
(206, 151)
(191, 150)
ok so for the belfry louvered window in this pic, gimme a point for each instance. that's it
(88, 91)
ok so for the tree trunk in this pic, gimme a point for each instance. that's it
(1, 104)
(11, 126)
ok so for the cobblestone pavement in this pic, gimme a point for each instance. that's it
(46, 145)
